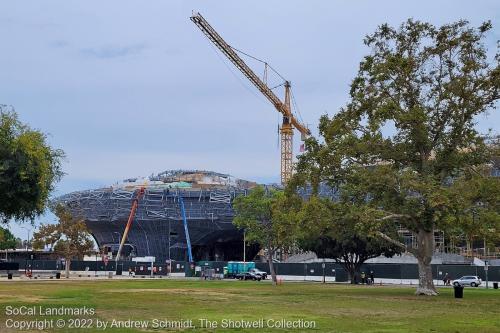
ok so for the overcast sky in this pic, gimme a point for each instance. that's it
(130, 88)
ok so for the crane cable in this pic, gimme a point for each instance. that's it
(223, 60)
(260, 60)
(279, 85)
(295, 105)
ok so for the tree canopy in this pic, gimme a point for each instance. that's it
(266, 219)
(29, 168)
(7, 239)
(475, 209)
(337, 230)
(409, 128)
(69, 237)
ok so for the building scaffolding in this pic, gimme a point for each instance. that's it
(158, 227)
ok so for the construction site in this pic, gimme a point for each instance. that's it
(186, 215)
(179, 215)
(216, 166)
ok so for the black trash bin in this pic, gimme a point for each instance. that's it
(459, 291)
(495, 285)
(9, 276)
(58, 275)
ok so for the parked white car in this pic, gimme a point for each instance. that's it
(469, 280)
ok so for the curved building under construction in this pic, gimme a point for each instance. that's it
(175, 209)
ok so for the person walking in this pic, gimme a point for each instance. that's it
(363, 277)
(372, 277)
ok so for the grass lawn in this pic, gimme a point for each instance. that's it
(333, 307)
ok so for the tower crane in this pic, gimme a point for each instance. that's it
(284, 107)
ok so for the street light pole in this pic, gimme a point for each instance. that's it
(244, 251)
(28, 241)
(169, 257)
(486, 263)
(119, 238)
(117, 254)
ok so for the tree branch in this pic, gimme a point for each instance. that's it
(394, 216)
(397, 243)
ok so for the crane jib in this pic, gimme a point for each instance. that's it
(289, 121)
(217, 40)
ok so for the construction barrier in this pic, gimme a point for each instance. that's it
(300, 271)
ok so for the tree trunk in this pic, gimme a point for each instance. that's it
(423, 254)
(351, 272)
(270, 252)
(353, 266)
(352, 275)
(68, 264)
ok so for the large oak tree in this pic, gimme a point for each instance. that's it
(409, 128)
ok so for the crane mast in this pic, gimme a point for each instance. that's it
(289, 121)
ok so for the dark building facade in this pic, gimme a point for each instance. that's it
(158, 227)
